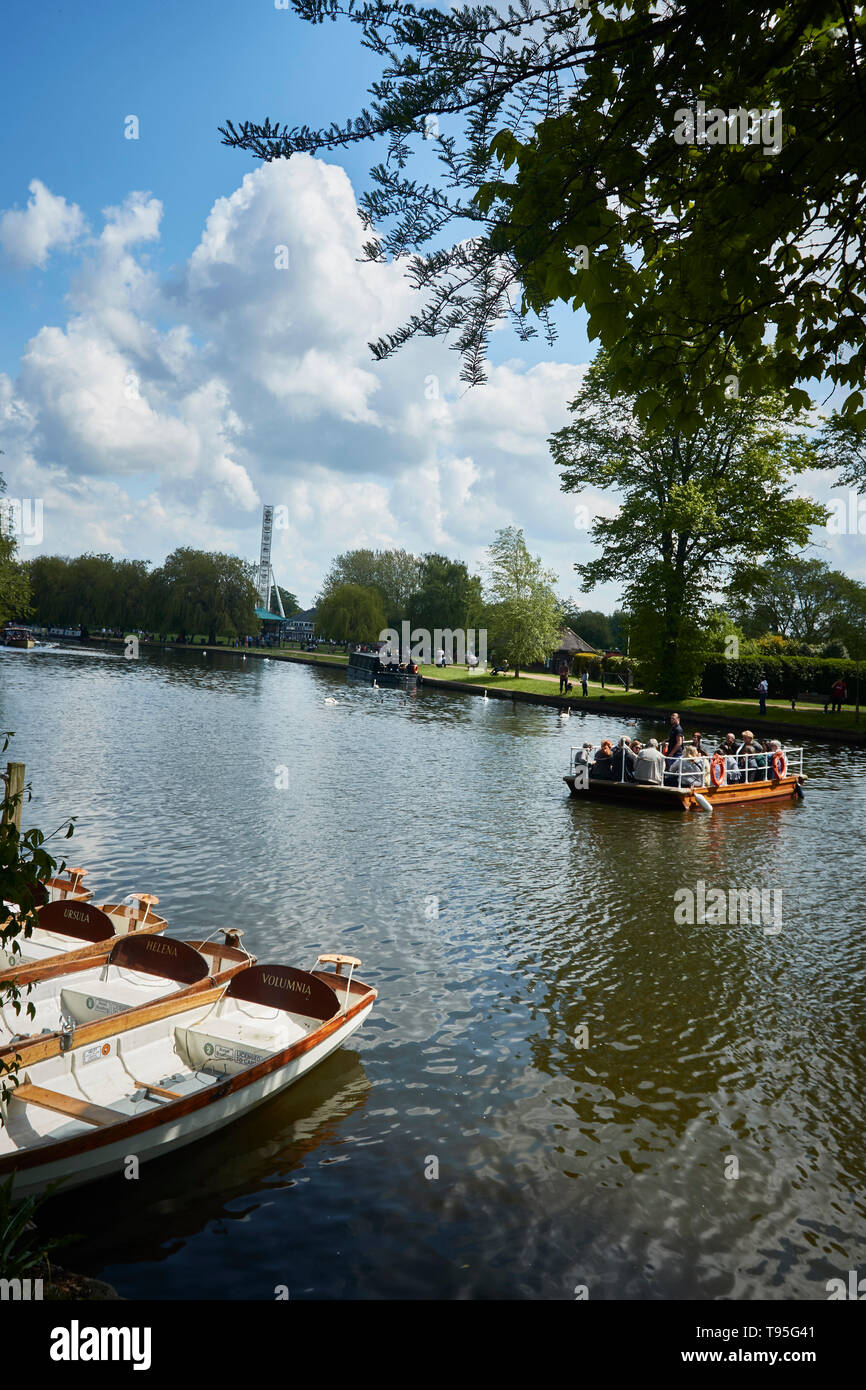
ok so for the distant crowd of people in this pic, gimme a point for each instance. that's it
(679, 763)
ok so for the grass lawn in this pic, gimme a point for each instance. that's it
(716, 714)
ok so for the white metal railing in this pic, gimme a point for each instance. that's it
(748, 767)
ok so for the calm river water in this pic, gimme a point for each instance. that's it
(588, 1074)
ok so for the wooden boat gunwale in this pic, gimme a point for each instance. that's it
(32, 971)
(126, 1127)
(685, 798)
(50, 1044)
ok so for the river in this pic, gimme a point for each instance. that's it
(562, 1086)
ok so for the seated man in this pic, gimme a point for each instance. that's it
(649, 764)
(733, 766)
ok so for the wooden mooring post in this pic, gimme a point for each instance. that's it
(14, 799)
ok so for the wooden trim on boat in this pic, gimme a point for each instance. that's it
(157, 1090)
(32, 1050)
(77, 1109)
(83, 921)
(128, 1127)
(31, 972)
(684, 798)
(228, 960)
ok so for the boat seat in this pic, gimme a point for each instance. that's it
(65, 1105)
(205, 1051)
(83, 1007)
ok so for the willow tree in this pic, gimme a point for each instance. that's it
(204, 591)
(690, 174)
(693, 510)
(351, 613)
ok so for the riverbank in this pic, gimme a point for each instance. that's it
(807, 721)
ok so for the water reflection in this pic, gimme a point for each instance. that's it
(433, 837)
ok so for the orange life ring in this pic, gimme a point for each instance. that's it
(780, 765)
(717, 769)
(665, 749)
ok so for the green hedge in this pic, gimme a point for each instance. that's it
(787, 676)
(614, 666)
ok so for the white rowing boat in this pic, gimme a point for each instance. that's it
(69, 930)
(146, 1086)
(140, 970)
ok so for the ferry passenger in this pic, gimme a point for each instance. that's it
(585, 754)
(676, 738)
(697, 743)
(749, 753)
(733, 767)
(602, 768)
(623, 762)
(686, 771)
(650, 765)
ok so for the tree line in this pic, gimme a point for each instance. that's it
(192, 591)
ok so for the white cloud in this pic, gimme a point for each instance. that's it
(164, 408)
(47, 222)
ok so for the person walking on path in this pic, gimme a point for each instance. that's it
(563, 675)
(839, 694)
(763, 689)
(584, 684)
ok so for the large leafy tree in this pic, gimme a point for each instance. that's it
(569, 173)
(598, 629)
(800, 599)
(523, 614)
(205, 591)
(850, 625)
(95, 590)
(692, 510)
(290, 601)
(394, 574)
(350, 613)
(448, 596)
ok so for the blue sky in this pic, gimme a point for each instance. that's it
(162, 380)
(183, 69)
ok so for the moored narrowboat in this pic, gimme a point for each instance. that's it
(371, 668)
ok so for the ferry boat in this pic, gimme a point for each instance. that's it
(717, 785)
(372, 669)
(16, 637)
